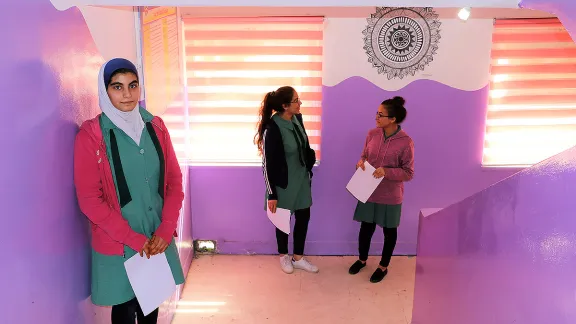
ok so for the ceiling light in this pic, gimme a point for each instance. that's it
(464, 13)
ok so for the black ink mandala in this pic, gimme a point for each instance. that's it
(401, 41)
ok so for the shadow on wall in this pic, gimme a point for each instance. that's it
(49, 258)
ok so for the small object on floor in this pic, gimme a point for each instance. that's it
(305, 265)
(286, 264)
(356, 267)
(378, 275)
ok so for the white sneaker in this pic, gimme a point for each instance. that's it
(286, 264)
(305, 265)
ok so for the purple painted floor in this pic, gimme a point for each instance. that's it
(252, 289)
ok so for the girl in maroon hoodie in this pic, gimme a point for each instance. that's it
(391, 151)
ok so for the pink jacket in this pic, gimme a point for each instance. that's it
(396, 155)
(97, 196)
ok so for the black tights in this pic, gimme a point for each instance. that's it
(365, 238)
(300, 230)
(128, 312)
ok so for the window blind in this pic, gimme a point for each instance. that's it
(532, 103)
(231, 63)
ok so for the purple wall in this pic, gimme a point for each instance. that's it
(446, 124)
(45, 266)
(565, 10)
(504, 255)
(48, 86)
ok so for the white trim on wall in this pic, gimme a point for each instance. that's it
(139, 62)
(184, 80)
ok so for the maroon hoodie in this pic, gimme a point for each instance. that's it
(396, 155)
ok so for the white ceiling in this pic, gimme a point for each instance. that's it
(65, 4)
(349, 12)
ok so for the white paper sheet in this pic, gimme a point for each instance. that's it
(280, 219)
(151, 280)
(363, 183)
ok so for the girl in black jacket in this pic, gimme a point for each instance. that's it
(287, 162)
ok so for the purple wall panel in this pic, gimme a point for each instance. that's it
(46, 91)
(565, 10)
(504, 255)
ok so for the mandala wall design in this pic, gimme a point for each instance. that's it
(401, 41)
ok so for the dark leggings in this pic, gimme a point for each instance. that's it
(365, 238)
(302, 217)
(128, 312)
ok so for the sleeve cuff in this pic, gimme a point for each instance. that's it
(136, 241)
(166, 231)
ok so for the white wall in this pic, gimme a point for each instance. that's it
(113, 31)
(461, 62)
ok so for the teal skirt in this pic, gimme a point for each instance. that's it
(110, 283)
(387, 216)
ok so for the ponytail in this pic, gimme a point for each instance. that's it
(266, 110)
(274, 101)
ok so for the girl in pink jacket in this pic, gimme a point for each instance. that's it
(391, 151)
(129, 185)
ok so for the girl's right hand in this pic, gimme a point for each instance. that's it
(146, 249)
(272, 205)
(360, 164)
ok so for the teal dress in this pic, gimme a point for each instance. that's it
(110, 284)
(298, 194)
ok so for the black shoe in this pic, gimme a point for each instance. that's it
(356, 267)
(378, 275)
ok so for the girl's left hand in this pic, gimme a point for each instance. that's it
(379, 173)
(157, 245)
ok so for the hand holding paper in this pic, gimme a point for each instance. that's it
(360, 165)
(379, 173)
(145, 249)
(272, 205)
(280, 219)
(363, 183)
(151, 279)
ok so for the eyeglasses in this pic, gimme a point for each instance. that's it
(379, 115)
(297, 100)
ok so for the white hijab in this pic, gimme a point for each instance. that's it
(130, 122)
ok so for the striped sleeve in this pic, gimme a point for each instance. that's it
(267, 156)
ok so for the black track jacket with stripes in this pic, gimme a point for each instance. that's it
(274, 164)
